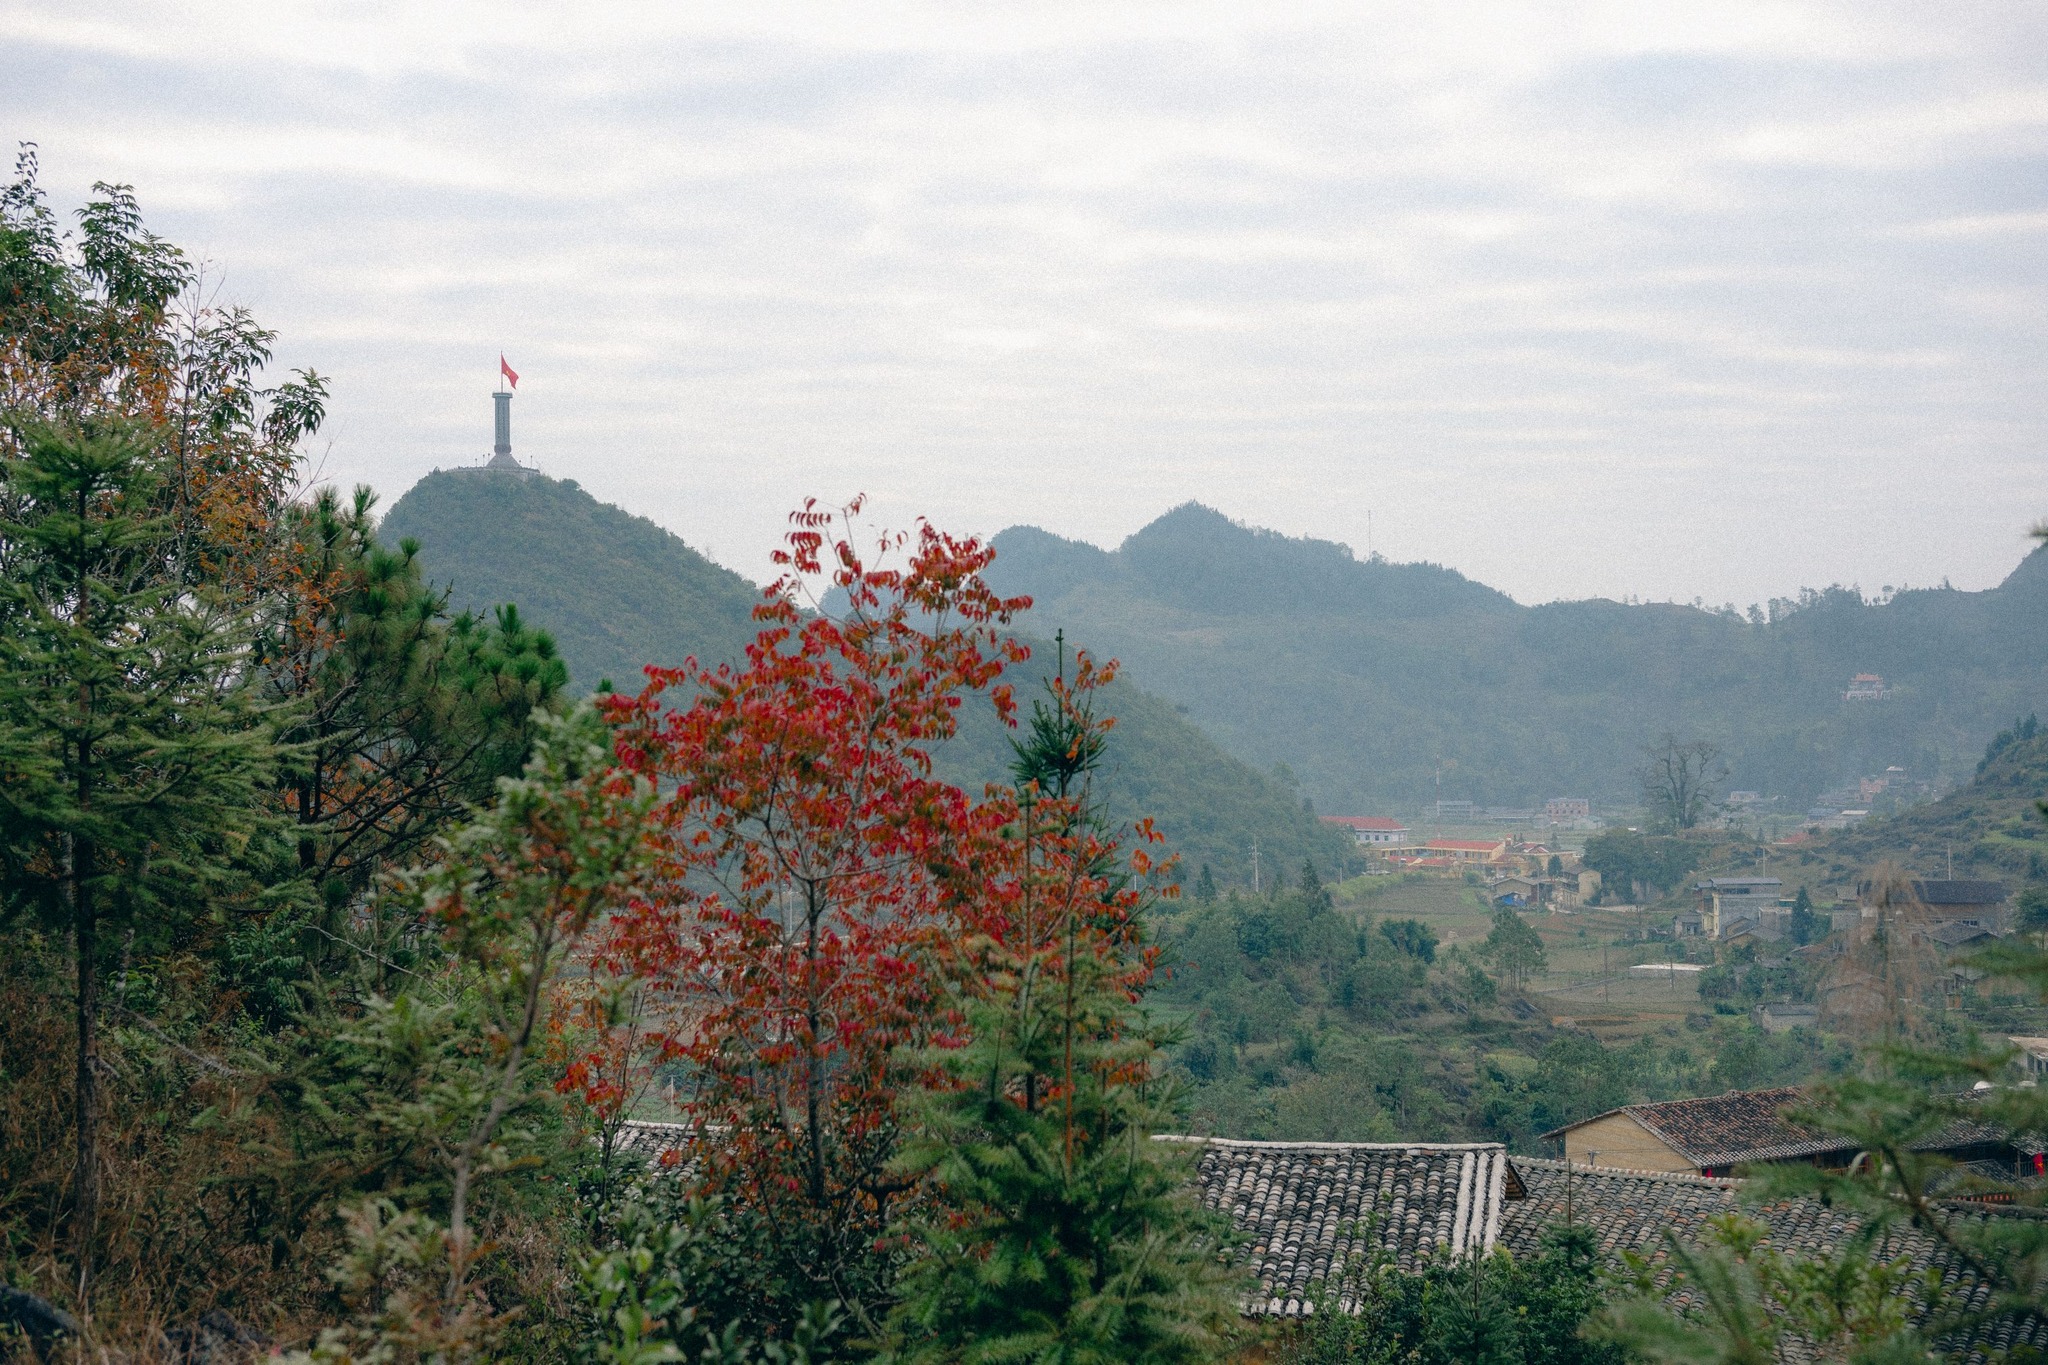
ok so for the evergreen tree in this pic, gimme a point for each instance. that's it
(133, 749)
(1806, 926)
(1514, 947)
(403, 718)
(1205, 886)
(1313, 894)
(1063, 1232)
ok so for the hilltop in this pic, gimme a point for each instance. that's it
(615, 590)
(618, 592)
(1361, 675)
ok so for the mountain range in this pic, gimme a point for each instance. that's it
(617, 592)
(1380, 685)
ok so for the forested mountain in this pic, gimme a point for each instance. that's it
(617, 592)
(1361, 675)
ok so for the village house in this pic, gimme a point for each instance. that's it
(1782, 1016)
(1472, 852)
(1302, 1211)
(1948, 901)
(1569, 811)
(1713, 1135)
(1727, 902)
(1371, 831)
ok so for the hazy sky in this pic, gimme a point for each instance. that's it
(1673, 300)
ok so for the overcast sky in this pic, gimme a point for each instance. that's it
(1714, 300)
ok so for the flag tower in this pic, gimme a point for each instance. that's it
(501, 449)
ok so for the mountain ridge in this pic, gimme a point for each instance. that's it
(1370, 679)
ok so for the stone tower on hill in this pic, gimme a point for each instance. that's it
(501, 450)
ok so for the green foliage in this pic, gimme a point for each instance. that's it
(133, 751)
(1064, 1234)
(1750, 1303)
(1513, 947)
(677, 1268)
(1411, 936)
(1803, 926)
(511, 893)
(1496, 1311)
(2021, 732)
(1626, 858)
(404, 717)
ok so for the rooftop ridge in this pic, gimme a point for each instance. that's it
(1273, 1146)
(1582, 1170)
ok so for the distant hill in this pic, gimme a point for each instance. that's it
(617, 592)
(1361, 675)
(1991, 827)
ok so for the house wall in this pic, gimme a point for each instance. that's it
(1622, 1142)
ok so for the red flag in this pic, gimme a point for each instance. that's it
(507, 370)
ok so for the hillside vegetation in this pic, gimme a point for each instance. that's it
(618, 592)
(615, 590)
(1361, 675)
(1990, 827)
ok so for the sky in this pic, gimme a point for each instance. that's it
(1711, 301)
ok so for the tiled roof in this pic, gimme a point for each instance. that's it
(1959, 892)
(1726, 1130)
(1301, 1206)
(1749, 1126)
(1950, 891)
(1468, 845)
(1629, 1210)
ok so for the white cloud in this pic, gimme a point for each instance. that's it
(1600, 298)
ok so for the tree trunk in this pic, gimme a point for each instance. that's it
(86, 1188)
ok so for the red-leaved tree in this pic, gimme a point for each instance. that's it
(821, 891)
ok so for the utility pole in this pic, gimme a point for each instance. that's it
(1255, 866)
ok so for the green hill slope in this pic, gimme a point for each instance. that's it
(617, 592)
(1362, 675)
(1990, 827)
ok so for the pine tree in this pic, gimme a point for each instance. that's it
(133, 751)
(1063, 1231)
(1205, 886)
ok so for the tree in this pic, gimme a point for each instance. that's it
(1472, 1311)
(1513, 947)
(1059, 1230)
(133, 749)
(1411, 936)
(1805, 926)
(1750, 1302)
(1679, 781)
(1627, 860)
(512, 893)
(1205, 887)
(404, 718)
(819, 894)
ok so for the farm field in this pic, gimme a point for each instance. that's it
(1589, 953)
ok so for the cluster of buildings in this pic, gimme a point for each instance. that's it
(1855, 801)
(1953, 913)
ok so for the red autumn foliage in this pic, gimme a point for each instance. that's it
(820, 888)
